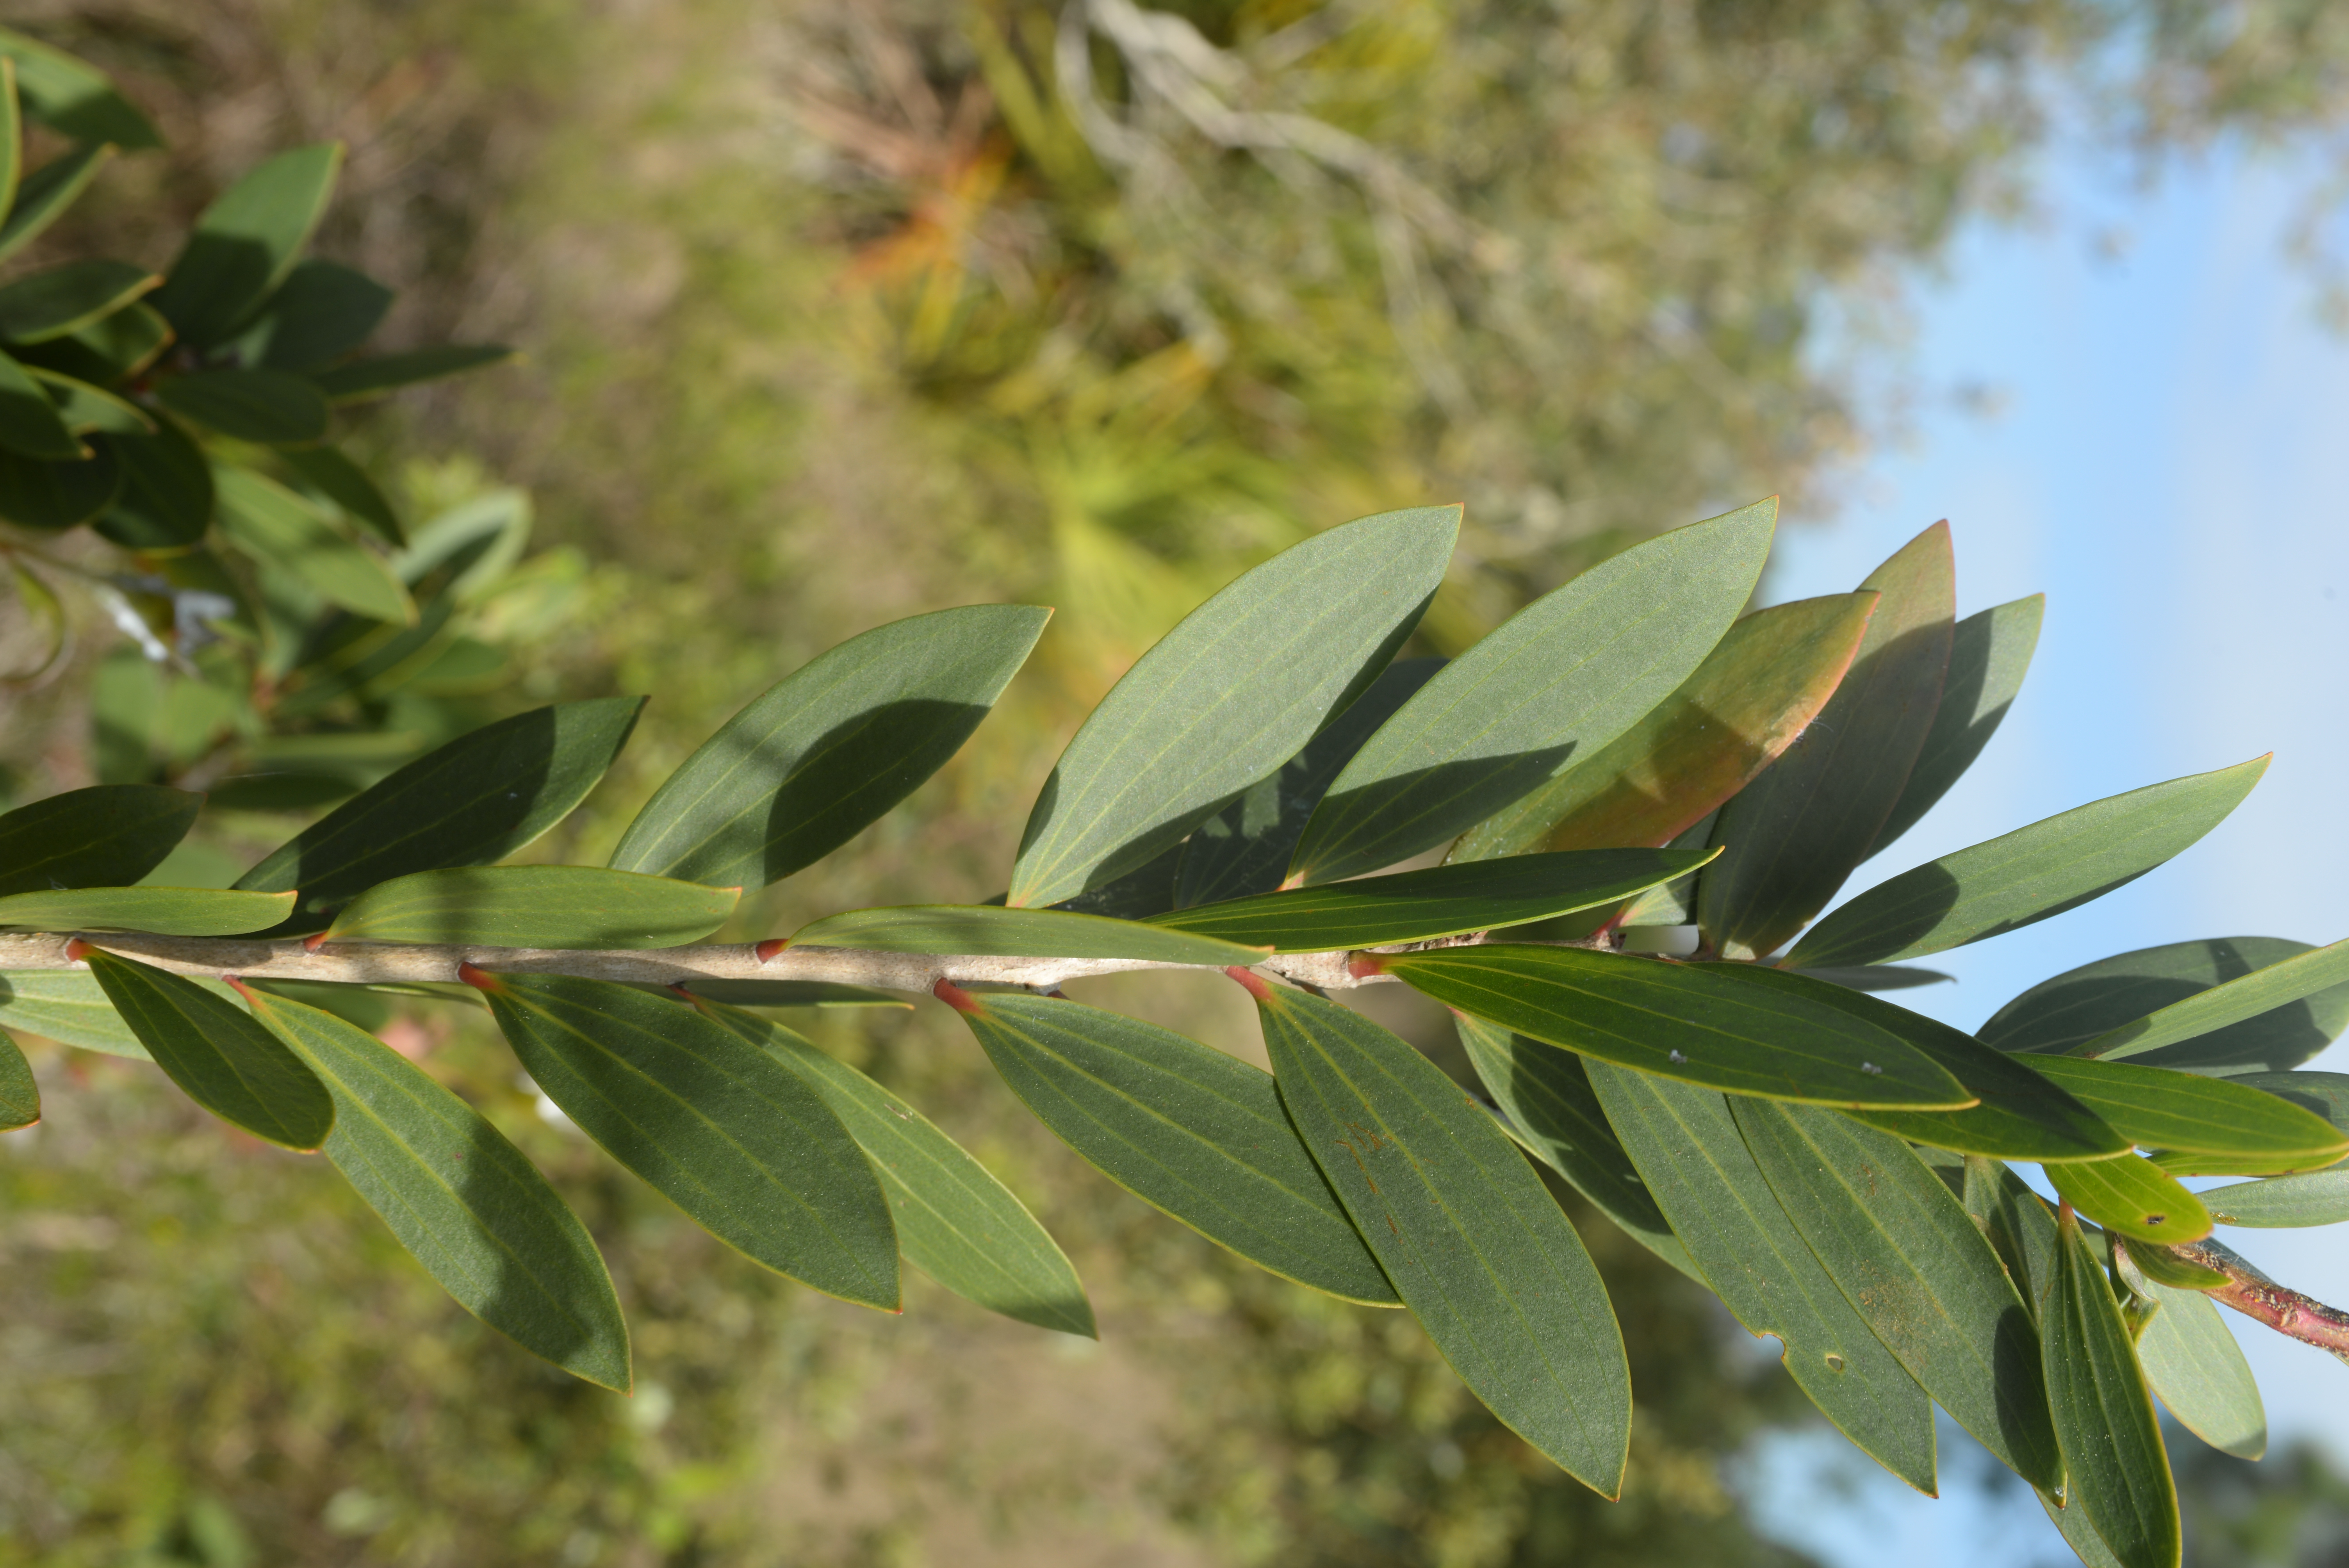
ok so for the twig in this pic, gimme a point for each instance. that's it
(2280, 1307)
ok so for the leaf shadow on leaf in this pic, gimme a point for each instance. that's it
(1451, 797)
(857, 773)
(514, 1296)
(2275, 1041)
(220, 266)
(1928, 893)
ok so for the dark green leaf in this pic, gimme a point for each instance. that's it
(2243, 1129)
(1554, 684)
(1185, 1128)
(246, 241)
(535, 906)
(1466, 1232)
(2164, 1265)
(166, 501)
(12, 134)
(793, 993)
(2281, 1202)
(829, 748)
(476, 800)
(43, 196)
(72, 98)
(977, 928)
(1196, 721)
(1683, 1021)
(2019, 1224)
(462, 1201)
(108, 352)
(2322, 1094)
(109, 835)
(2194, 1366)
(62, 299)
(2027, 875)
(161, 911)
(321, 312)
(30, 424)
(1689, 1151)
(70, 1006)
(2133, 1196)
(1441, 900)
(271, 523)
(1879, 977)
(2257, 996)
(2118, 1473)
(1989, 655)
(324, 474)
(266, 405)
(20, 1097)
(2060, 1015)
(388, 373)
(216, 1052)
(89, 409)
(53, 496)
(725, 1131)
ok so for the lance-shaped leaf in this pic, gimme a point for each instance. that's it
(322, 472)
(2243, 1129)
(465, 1202)
(246, 241)
(791, 994)
(1245, 848)
(166, 499)
(43, 197)
(1899, 1244)
(2194, 1366)
(2281, 1202)
(71, 97)
(2019, 1224)
(92, 411)
(2018, 1119)
(1794, 833)
(216, 1052)
(321, 312)
(368, 378)
(2319, 1094)
(1470, 1238)
(12, 134)
(2133, 1196)
(20, 1097)
(2118, 1472)
(2144, 1263)
(1228, 697)
(478, 799)
(2027, 875)
(161, 911)
(956, 1221)
(1989, 655)
(30, 424)
(535, 906)
(1187, 1128)
(1545, 1095)
(107, 835)
(991, 930)
(717, 1126)
(1879, 977)
(271, 523)
(58, 300)
(1552, 686)
(2263, 992)
(1757, 690)
(70, 1006)
(1683, 1021)
(266, 406)
(1440, 901)
(829, 748)
(1686, 1146)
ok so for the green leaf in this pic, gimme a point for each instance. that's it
(1695, 1162)
(1441, 900)
(476, 800)
(30, 424)
(73, 98)
(107, 835)
(826, 751)
(106, 352)
(2164, 1265)
(388, 373)
(535, 906)
(2194, 1366)
(12, 134)
(472, 544)
(166, 501)
(2027, 875)
(58, 300)
(53, 496)
(246, 242)
(2019, 1224)
(2019, 1117)
(1989, 655)
(1245, 848)
(1196, 721)
(70, 1006)
(271, 523)
(321, 312)
(324, 474)
(43, 197)
(725, 1131)
(2243, 1129)
(2254, 995)
(1545, 1095)
(465, 1202)
(989, 929)
(2133, 1196)
(1757, 690)
(2118, 1473)
(1185, 1128)
(1554, 684)
(2281, 1202)
(1900, 1246)
(160, 911)
(956, 1221)
(2321, 1094)
(2059, 1015)
(791, 994)
(1881, 977)
(1683, 1021)
(266, 405)
(1466, 1232)
(216, 1052)
(20, 1097)
(89, 409)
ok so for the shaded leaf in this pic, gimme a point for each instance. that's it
(161, 911)
(2133, 1196)
(535, 906)
(58, 300)
(89, 409)
(325, 474)
(793, 993)
(53, 496)
(70, 1006)
(272, 524)
(321, 312)
(2060, 1015)
(30, 424)
(2319, 1094)
(989, 929)
(2194, 1366)
(2118, 1472)
(1989, 654)
(2019, 1224)
(266, 405)
(2164, 1265)
(12, 134)
(20, 1097)
(388, 373)
(2281, 1202)
(246, 241)
(107, 835)
(73, 98)
(1877, 977)
(106, 352)
(2256, 996)
(2243, 1129)
(43, 196)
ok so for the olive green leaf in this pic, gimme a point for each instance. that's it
(2319, 1094)
(1683, 1021)
(1795, 832)
(159, 911)
(58, 300)
(166, 499)
(1757, 690)
(1877, 977)
(1989, 655)
(1472, 1241)
(829, 748)
(2019, 1224)
(535, 906)
(324, 474)
(956, 1221)
(69, 1006)
(2065, 1013)
(1187, 1128)
(388, 373)
(1691, 1157)
(2133, 1196)
(30, 423)
(91, 411)
(105, 352)
(465, 1202)
(53, 497)
(2194, 1366)
(989, 929)
(246, 241)
(791, 994)
(2166, 1265)
(272, 524)
(2027, 875)
(215, 1051)
(1440, 901)
(107, 835)
(2241, 1129)
(719, 1127)
(43, 196)
(1552, 686)
(2117, 1472)
(2281, 1202)
(2256, 996)
(73, 98)
(266, 405)
(478, 799)
(20, 1097)
(1197, 720)
(321, 312)
(12, 134)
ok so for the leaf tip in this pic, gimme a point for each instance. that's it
(955, 997)
(1254, 983)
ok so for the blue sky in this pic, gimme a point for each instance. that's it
(2169, 462)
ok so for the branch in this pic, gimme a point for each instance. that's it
(2280, 1307)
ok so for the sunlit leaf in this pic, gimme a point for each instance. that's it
(61, 299)
(2062, 1014)
(535, 906)
(2118, 1472)
(246, 241)
(161, 911)
(272, 524)
(2194, 1366)
(2256, 996)
(2244, 1129)
(70, 1006)
(1989, 655)
(44, 195)
(73, 98)
(989, 929)
(2133, 1196)
(2166, 1265)
(2280, 1202)
(107, 835)
(20, 1097)
(91, 410)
